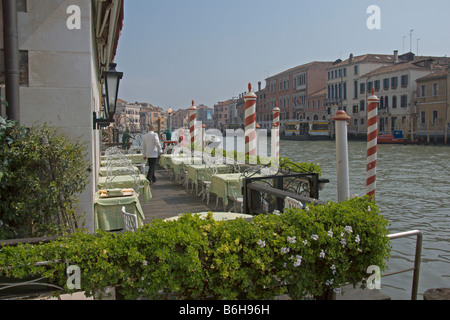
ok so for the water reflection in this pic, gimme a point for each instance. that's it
(412, 193)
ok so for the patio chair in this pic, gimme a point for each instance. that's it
(292, 203)
(130, 221)
(236, 197)
(205, 182)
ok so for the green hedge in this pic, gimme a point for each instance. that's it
(300, 252)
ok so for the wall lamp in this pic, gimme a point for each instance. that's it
(112, 79)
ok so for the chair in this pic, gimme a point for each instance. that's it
(205, 181)
(292, 203)
(236, 196)
(130, 221)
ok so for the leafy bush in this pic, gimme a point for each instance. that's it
(303, 253)
(41, 174)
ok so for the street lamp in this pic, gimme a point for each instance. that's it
(112, 79)
(169, 112)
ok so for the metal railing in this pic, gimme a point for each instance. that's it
(417, 258)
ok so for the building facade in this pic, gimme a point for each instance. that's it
(433, 104)
(290, 90)
(63, 50)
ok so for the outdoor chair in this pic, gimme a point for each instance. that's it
(292, 203)
(129, 220)
(236, 197)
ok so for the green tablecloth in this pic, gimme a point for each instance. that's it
(108, 212)
(127, 182)
(134, 158)
(221, 183)
(197, 171)
(117, 171)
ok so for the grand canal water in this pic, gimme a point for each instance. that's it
(413, 193)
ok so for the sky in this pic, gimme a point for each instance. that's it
(174, 51)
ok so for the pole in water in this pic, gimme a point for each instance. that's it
(372, 135)
(343, 179)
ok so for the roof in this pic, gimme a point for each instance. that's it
(313, 64)
(420, 63)
(366, 58)
(439, 74)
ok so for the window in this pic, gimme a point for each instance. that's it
(386, 84)
(355, 90)
(404, 101)
(423, 118)
(377, 85)
(369, 86)
(362, 88)
(356, 70)
(404, 81)
(394, 82)
(362, 105)
(435, 117)
(435, 89)
(355, 109)
(394, 102)
(423, 91)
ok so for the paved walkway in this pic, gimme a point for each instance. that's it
(169, 199)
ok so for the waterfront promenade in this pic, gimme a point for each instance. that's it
(169, 199)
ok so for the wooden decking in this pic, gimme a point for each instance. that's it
(169, 199)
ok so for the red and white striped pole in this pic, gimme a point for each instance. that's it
(276, 132)
(192, 120)
(250, 125)
(372, 135)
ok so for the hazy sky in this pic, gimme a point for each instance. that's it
(176, 51)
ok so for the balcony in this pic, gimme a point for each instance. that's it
(332, 101)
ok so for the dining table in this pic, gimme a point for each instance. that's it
(217, 216)
(108, 214)
(137, 182)
(118, 171)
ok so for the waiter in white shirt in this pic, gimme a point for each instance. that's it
(151, 149)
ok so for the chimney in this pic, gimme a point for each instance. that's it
(396, 56)
(351, 57)
(259, 86)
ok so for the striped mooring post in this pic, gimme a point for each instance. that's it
(250, 125)
(372, 135)
(192, 120)
(276, 132)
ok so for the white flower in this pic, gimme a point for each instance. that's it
(322, 254)
(285, 250)
(305, 242)
(292, 239)
(330, 234)
(337, 290)
(368, 208)
(276, 212)
(357, 239)
(298, 261)
(261, 243)
(315, 237)
(329, 282)
(307, 208)
(333, 268)
(144, 263)
(349, 229)
(343, 242)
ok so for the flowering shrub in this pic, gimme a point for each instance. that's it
(304, 253)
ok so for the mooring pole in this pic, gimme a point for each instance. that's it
(343, 180)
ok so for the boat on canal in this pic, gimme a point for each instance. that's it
(395, 138)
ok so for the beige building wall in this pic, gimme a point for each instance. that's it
(63, 88)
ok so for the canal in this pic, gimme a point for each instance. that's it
(413, 193)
